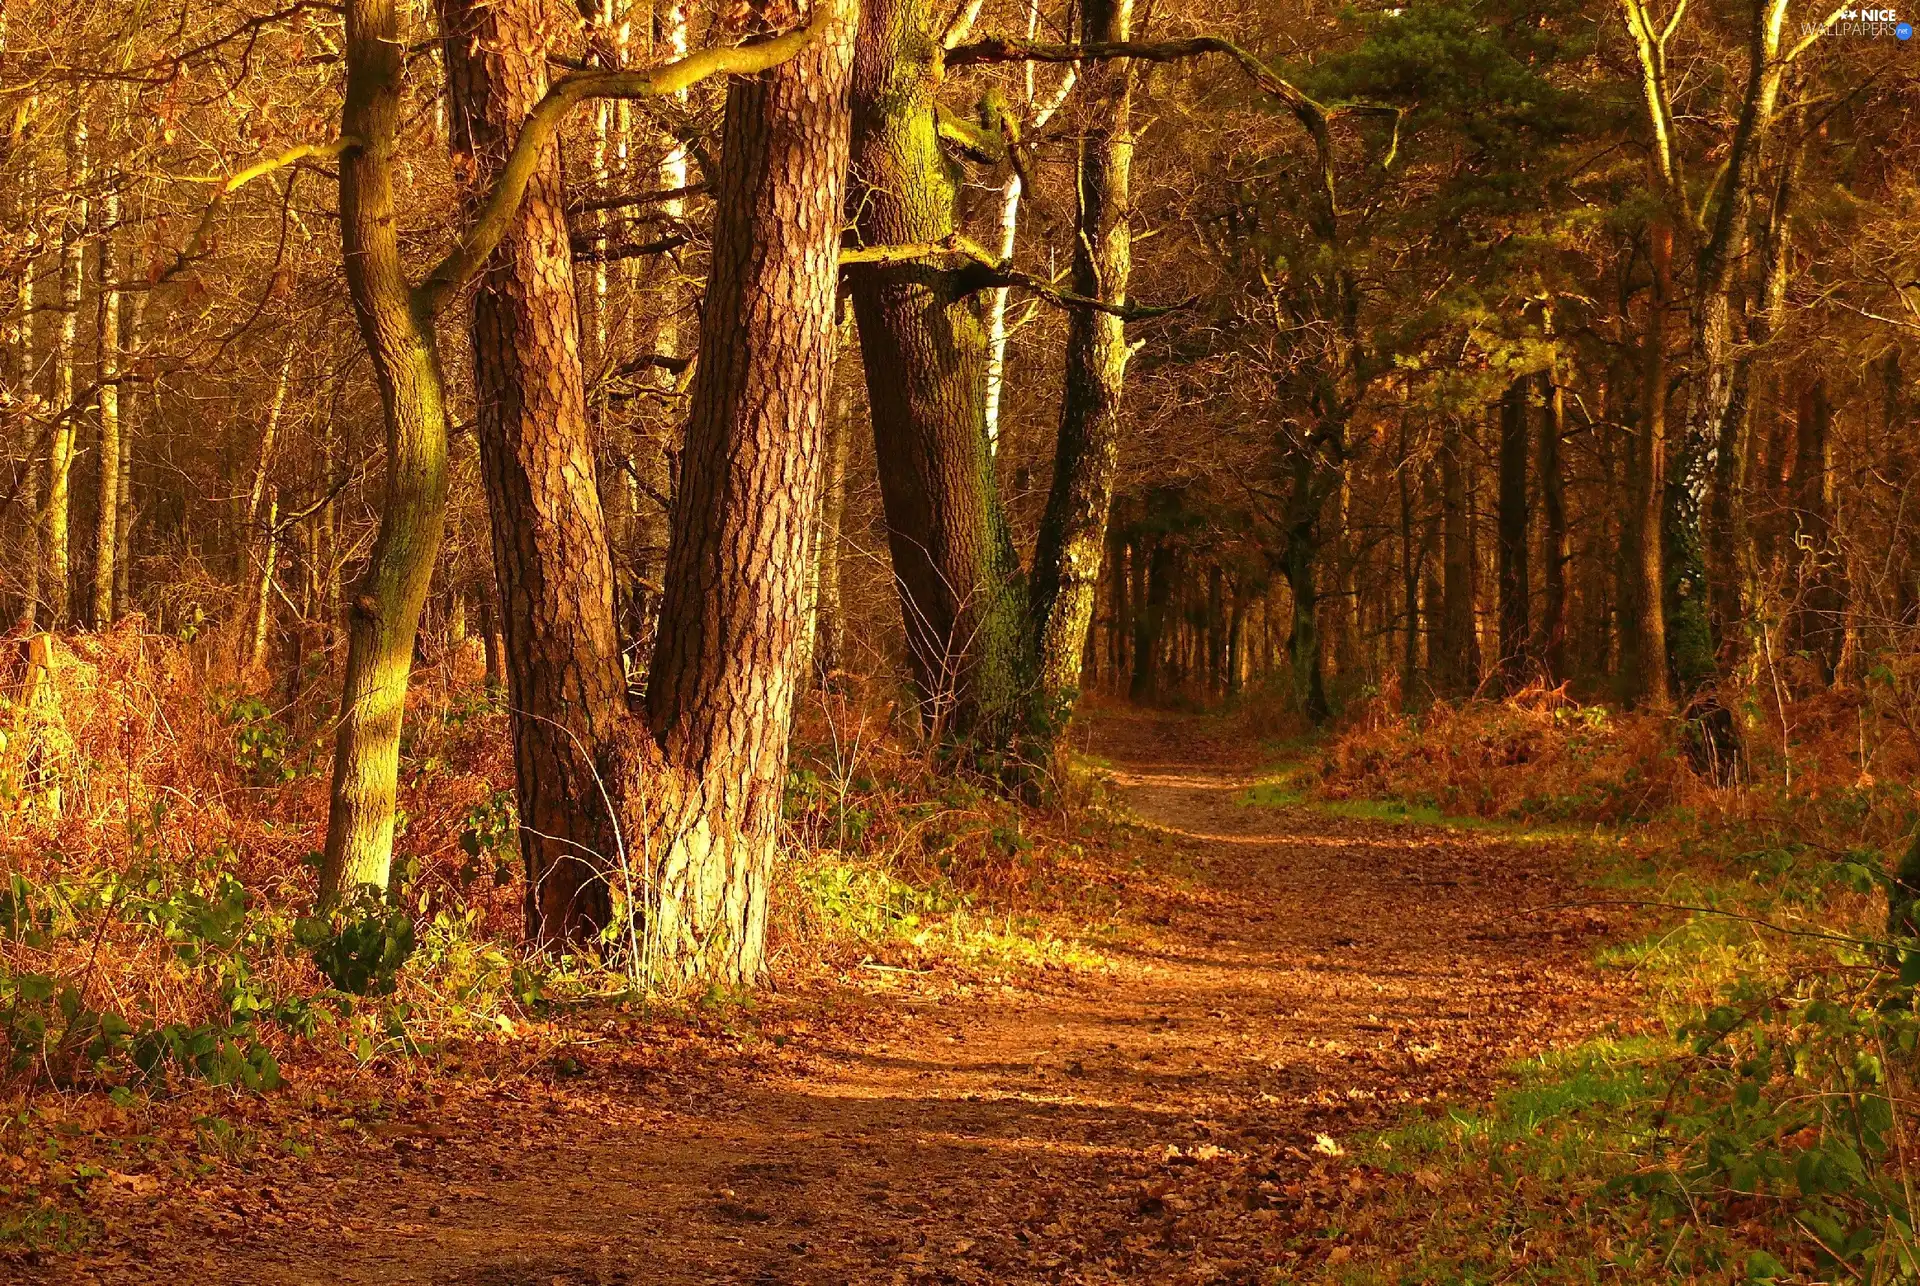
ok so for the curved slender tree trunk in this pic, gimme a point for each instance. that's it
(1643, 632)
(383, 614)
(107, 407)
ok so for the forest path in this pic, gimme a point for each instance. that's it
(1302, 976)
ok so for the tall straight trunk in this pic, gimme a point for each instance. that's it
(726, 667)
(1303, 635)
(262, 516)
(1152, 591)
(1818, 623)
(384, 613)
(1411, 558)
(56, 504)
(1216, 629)
(1643, 633)
(1457, 667)
(1119, 602)
(1555, 547)
(133, 311)
(1066, 561)
(1237, 640)
(830, 620)
(925, 351)
(566, 687)
(1511, 536)
(107, 407)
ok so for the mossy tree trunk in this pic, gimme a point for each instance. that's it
(924, 346)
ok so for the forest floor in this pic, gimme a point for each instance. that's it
(1288, 981)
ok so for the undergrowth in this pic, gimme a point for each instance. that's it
(1756, 1122)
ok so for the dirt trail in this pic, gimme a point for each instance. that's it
(1307, 976)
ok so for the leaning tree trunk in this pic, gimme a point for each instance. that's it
(384, 612)
(726, 665)
(566, 688)
(925, 351)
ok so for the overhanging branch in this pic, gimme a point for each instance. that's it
(984, 272)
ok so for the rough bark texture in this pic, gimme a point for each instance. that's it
(565, 684)
(726, 664)
(1066, 560)
(1511, 537)
(384, 612)
(925, 350)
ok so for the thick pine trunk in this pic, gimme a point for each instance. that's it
(924, 347)
(566, 688)
(1511, 537)
(726, 665)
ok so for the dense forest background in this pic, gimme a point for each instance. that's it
(528, 480)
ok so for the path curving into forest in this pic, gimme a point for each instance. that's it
(1305, 976)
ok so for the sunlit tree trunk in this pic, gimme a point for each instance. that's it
(830, 623)
(107, 408)
(133, 310)
(726, 665)
(56, 505)
(262, 516)
(383, 614)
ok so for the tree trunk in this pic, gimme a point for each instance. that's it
(107, 458)
(1153, 591)
(1643, 633)
(1303, 638)
(1818, 624)
(1512, 534)
(262, 514)
(1066, 561)
(566, 687)
(384, 614)
(725, 668)
(133, 310)
(1119, 603)
(925, 353)
(1555, 547)
(830, 621)
(1457, 667)
(56, 589)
